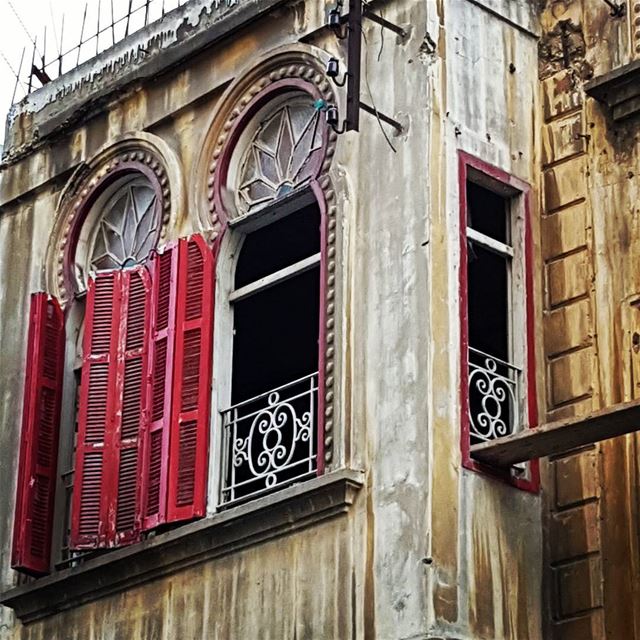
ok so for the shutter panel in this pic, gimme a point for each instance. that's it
(112, 413)
(191, 397)
(91, 499)
(37, 468)
(164, 272)
(133, 373)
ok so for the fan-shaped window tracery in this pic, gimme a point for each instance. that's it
(121, 229)
(280, 155)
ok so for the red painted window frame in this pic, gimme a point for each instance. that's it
(519, 189)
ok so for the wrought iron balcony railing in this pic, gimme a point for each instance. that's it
(495, 392)
(270, 440)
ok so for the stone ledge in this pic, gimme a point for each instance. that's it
(619, 90)
(223, 533)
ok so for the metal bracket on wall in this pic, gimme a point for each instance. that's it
(618, 9)
(352, 77)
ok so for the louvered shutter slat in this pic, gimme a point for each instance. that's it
(133, 369)
(189, 437)
(37, 468)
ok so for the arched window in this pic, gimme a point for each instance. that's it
(272, 412)
(279, 158)
(133, 388)
(120, 226)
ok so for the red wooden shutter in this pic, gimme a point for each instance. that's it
(191, 397)
(37, 468)
(105, 510)
(133, 372)
(95, 417)
(164, 273)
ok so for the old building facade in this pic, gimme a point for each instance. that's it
(246, 355)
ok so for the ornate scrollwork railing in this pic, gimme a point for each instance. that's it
(270, 440)
(494, 397)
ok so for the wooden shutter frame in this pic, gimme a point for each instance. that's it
(125, 354)
(80, 541)
(162, 424)
(106, 534)
(22, 558)
(201, 414)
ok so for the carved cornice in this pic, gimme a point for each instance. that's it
(619, 90)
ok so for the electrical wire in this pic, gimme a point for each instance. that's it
(366, 80)
(15, 13)
(17, 75)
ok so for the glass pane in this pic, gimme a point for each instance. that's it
(268, 166)
(128, 227)
(279, 245)
(488, 301)
(285, 147)
(279, 153)
(487, 212)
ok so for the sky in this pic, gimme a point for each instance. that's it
(23, 22)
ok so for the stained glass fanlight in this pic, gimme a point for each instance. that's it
(121, 229)
(280, 155)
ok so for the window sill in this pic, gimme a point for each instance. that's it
(223, 533)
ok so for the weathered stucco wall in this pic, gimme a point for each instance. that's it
(427, 550)
(487, 585)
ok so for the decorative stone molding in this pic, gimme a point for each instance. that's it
(294, 70)
(139, 153)
(278, 514)
(328, 362)
(634, 25)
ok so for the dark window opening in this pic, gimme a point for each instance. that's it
(276, 336)
(493, 381)
(279, 245)
(487, 213)
(488, 301)
(270, 430)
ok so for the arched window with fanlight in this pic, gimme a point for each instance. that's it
(272, 410)
(120, 227)
(270, 429)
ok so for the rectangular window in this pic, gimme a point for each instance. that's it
(497, 346)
